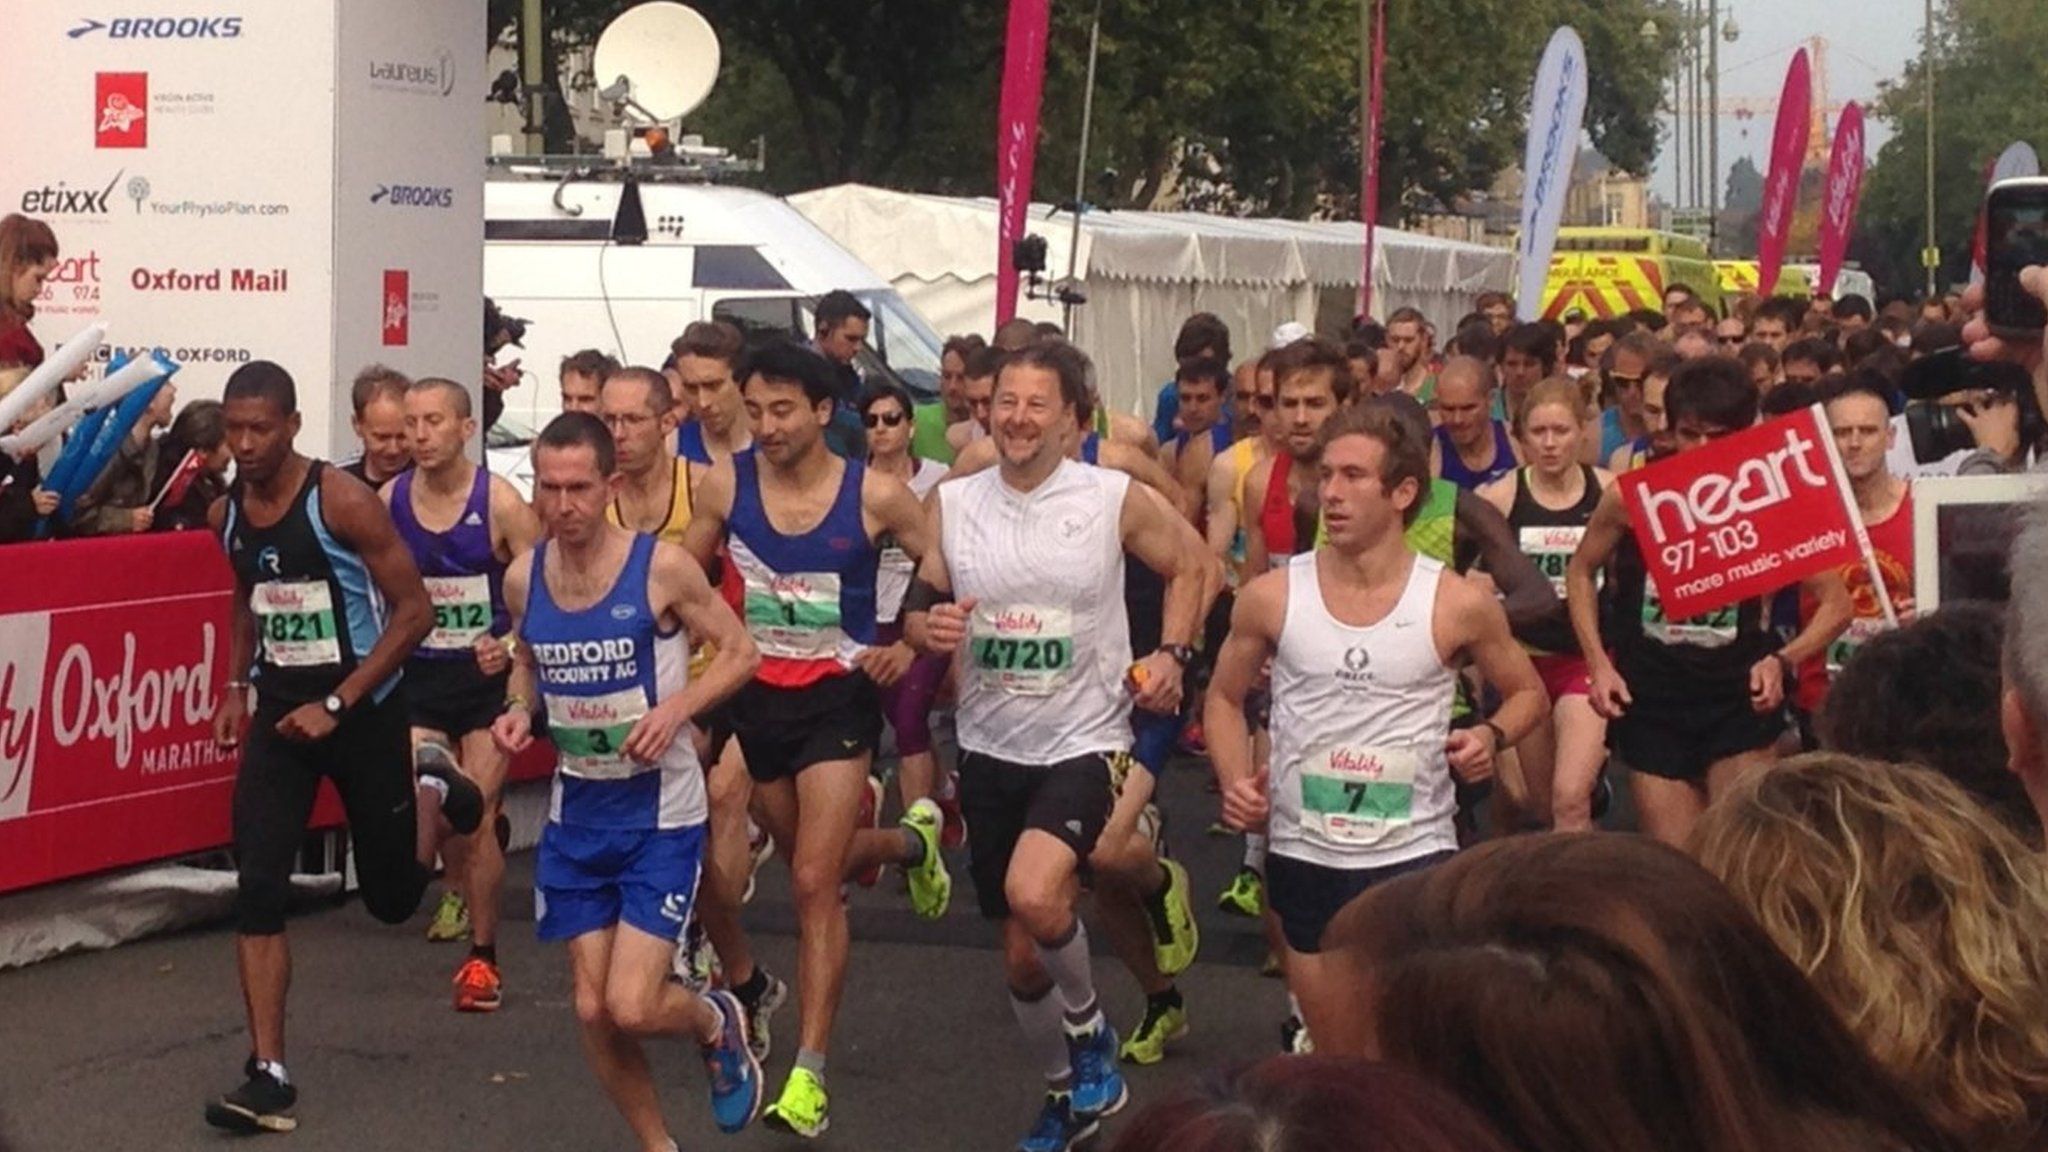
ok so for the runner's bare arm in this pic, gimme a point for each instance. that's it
(512, 729)
(1254, 632)
(1141, 467)
(362, 523)
(1171, 547)
(514, 527)
(710, 504)
(1832, 613)
(891, 508)
(678, 590)
(978, 456)
(1582, 596)
(1500, 494)
(929, 588)
(1222, 509)
(1133, 433)
(1470, 625)
(1526, 595)
(1256, 558)
(234, 702)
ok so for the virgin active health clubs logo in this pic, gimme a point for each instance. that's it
(120, 110)
(397, 309)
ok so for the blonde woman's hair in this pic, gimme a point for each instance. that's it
(1561, 390)
(1920, 916)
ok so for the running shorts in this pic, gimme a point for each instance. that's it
(783, 731)
(1069, 801)
(453, 697)
(1306, 897)
(589, 879)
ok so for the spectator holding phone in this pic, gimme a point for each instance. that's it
(1996, 425)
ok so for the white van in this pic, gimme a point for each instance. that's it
(555, 256)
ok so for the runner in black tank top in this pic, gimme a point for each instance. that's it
(1692, 704)
(328, 605)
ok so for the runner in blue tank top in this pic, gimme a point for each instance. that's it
(803, 526)
(706, 355)
(462, 525)
(607, 617)
(328, 606)
(1474, 448)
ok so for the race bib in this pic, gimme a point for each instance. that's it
(893, 570)
(1716, 629)
(462, 611)
(590, 731)
(295, 623)
(1023, 649)
(1861, 631)
(1351, 797)
(796, 616)
(1551, 549)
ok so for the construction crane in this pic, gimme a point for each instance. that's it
(1824, 111)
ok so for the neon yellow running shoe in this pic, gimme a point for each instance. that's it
(1246, 895)
(931, 885)
(1147, 1043)
(1175, 936)
(451, 920)
(802, 1108)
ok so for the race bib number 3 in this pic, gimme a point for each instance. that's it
(462, 611)
(795, 617)
(1024, 649)
(295, 623)
(590, 731)
(1351, 797)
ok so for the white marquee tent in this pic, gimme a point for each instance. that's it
(1145, 272)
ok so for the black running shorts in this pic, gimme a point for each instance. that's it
(1069, 801)
(453, 697)
(783, 731)
(1306, 897)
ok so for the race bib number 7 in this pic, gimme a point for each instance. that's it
(295, 623)
(462, 611)
(1351, 797)
(1023, 649)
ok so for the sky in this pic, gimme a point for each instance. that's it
(1868, 41)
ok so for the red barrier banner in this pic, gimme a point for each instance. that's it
(1838, 204)
(113, 653)
(1017, 139)
(1781, 186)
(1745, 515)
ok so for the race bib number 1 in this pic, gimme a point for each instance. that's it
(295, 623)
(590, 731)
(1351, 797)
(462, 611)
(794, 617)
(1022, 649)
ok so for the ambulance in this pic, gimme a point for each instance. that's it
(1606, 272)
(1740, 276)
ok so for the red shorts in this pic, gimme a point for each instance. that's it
(1564, 674)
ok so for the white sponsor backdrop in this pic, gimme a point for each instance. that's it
(208, 169)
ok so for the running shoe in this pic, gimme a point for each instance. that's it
(761, 1011)
(261, 1104)
(696, 962)
(931, 885)
(1147, 1043)
(760, 849)
(870, 817)
(1058, 1128)
(735, 1074)
(1294, 1038)
(1099, 1089)
(1175, 935)
(463, 806)
(1246, 895)
(955, 835)
(477, 986)
(451, 919)
(802, 1109)
(1192, 741)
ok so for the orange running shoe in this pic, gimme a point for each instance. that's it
(477, 988)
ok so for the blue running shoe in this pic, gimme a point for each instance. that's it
(1099, 1088)
(736, 1088)
(1058, 1129)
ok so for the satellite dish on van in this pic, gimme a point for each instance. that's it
(660, 58)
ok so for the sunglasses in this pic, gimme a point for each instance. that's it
(1620, 381)
(1730, 339)
(883, 419)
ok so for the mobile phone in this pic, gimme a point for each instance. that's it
(2016, 235)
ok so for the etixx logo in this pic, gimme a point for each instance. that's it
(160, 28)
(413, 196)
(61, 199)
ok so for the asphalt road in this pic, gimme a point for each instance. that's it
(120, 1049)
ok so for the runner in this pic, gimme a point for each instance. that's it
(581, 375)
(654, 496)
(462, 525)
(607, 617)
(1692, 705)
(1205, 430)
(1044, 715)
(804, 526)
(1859, 412)
(977, 393)
(1655, 441)
(706, 354)
(378, 398)
(1548, 503)
(928, 440)
(1623, 372)
(328, 606)
(886, 413)
(1311, 381)
(1474, 448)
(1412, 338)
(1361, 785)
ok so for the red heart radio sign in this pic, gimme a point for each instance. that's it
(1745, 515)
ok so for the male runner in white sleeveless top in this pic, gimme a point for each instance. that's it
(1365, 638)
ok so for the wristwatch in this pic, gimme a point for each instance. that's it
(1183, 654)
(335, 706)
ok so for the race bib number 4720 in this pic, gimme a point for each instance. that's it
(1025, 649)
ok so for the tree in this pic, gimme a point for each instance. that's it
(1991, 88)
(1256, 101)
